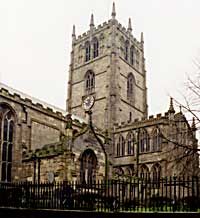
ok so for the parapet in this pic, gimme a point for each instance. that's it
(36, 104)
(126, 33)
(141, 122)
(95, 30)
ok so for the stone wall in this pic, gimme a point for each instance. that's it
(111, 70)
(35, 126)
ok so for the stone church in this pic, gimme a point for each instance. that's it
(105, 132)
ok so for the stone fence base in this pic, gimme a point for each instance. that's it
(36, 213)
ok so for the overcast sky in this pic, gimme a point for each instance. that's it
(35, 43)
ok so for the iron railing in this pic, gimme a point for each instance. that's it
(137, 194)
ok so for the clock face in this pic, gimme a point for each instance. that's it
(88, 102)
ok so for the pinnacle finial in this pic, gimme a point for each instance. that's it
(113, 11)
(92, 20)
(129, 25)
(193, 126)
(142, 38)
(180, 108)
(73, 31)
(171, 107)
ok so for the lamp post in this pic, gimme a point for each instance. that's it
(34, 167)
(35, 160)
(39, 170)
(137, 151)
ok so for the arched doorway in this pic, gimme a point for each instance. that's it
(88, 164)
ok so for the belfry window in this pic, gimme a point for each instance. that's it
(132, 55)
(89, 82)
(130, 87)
(95, 48)
(6, 141)
(87, 51)
(137, 58)
(126, 50)
(88, 167)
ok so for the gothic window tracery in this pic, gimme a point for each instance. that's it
(118, 171)
(89, 82)
(6, 142)
(130, 144)
(95, 48)
(132, 55)
(157, 140)
(144, 141)
(126, 50)
(87, 51)
(182, 134)
(130, 87)
(137, 58)
(88, 167)
(123, 143)
(156, 174)
(80, 54)
(121, 146)
(144, 172)
(128, 171)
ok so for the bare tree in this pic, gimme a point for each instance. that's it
(183, 138)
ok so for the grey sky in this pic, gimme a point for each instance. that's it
(35, 43)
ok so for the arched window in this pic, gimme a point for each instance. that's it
(137, 58)
(87, 51)
(88, 167)
(156, 174)
(182, 133)
(80, 54)
(118, 171)
(89, 82)
(118, 148)
(6, 141)
(126, 50)
(123, 143)
(157, 140)
(144, 172)
(95, 48)
(130, 144)
(144, 142)
(122, 47)
(128, 171)
(130, 117)
(121, 146)
(130, 87)
(132, 55)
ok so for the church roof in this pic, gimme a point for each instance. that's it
(35, 101)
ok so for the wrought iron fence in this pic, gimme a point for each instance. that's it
(138, 194)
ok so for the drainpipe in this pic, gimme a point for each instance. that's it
(137, 151)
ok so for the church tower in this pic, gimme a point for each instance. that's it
(108, 63)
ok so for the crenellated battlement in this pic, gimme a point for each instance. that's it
(95, 30)
(103, 26)
(139, 123)
(29, 101)
(129, 35)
